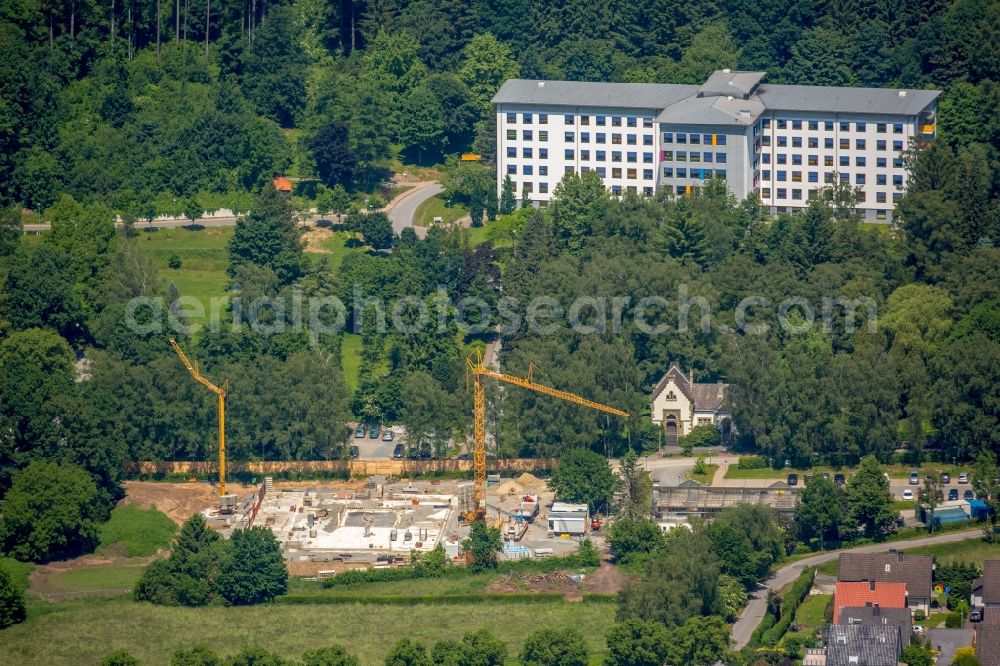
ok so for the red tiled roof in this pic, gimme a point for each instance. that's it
(859, 595)
(282, 184)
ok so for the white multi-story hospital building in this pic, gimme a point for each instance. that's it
(781, 142)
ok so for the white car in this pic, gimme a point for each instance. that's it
(908, 495)
(917, 629)
(963, 477)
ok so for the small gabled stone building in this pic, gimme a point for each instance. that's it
(678, 404)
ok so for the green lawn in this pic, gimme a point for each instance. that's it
(436, 207)
(501, 231)
(83, 631)
(18, 571)
(204, 260)
(350, 359)
(340, 245)
(894, 471)
(103, 578)
(704, 478)
(830, 568)
(811, 611)
(444, 586)
(142, 531)
(969, 550)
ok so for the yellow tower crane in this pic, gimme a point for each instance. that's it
(478, 371)
(227, 502)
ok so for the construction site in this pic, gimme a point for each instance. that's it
(379, 522)
(383, 520)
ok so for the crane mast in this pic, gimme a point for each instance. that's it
(478, 371)
(227, 501)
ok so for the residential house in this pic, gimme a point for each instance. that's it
(868, 593)
(986, 588)
(876, 615)
(678, 403)
(863, 645)
(987, 643)
(916, 571)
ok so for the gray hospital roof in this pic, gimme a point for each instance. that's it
(831, 99)
(712, 111)
(660, 96)
(724, 82)
(653, 96)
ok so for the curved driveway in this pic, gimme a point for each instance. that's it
(400, 211)
(405, 206)
(755, 610)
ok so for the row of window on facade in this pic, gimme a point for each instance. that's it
(616, 172)
(796, 194)
(528, 187)
(570, 119)
(570, 137)
(781, 141)
(828, 125)
(692, 156)
(585, 155)
(829, 178)
(844, 160)
(694, 139)
(700, 174)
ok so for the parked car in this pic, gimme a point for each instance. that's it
(976, 615)
(908, 495)
(945, 477)
(355, 452)
(360, 431)
(397, 452)
(425, 452)
(826, 476)
(388, 435)
(914, 478)
(839, 479)
(917, 629)
(793, 479)
(807, 479)
(968, 494)
(963, 477)
(953, 494)
(373, 433)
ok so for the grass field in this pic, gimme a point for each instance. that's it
(204, 260)
(350, 358)
(811, 611)
(435, 207)
(969, 550)
(704, 478)
(18, 571)
(96, 579)
(339, 246)
(141, 531)
(501, 231)
(829, 568)
(82, 632)
(894, 471)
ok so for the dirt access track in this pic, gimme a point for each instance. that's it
(179, 501)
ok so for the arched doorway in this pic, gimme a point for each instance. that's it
(670, 433)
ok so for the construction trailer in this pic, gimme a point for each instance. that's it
(571, 519)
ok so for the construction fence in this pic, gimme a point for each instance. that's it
(504, 466)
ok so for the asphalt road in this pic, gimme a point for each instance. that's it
(755, 610)
(406, 204)
(400, 211)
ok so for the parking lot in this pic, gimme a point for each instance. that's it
(376, 449)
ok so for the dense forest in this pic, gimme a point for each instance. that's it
(135, 103)
(119, 108)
